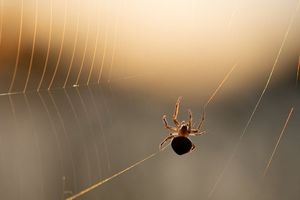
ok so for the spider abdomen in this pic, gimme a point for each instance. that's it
(181, 145)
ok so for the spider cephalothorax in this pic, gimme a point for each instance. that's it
(179, 134)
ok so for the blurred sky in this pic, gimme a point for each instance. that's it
(165, 44)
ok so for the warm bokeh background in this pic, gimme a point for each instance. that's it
(169, 44)
(137, 57)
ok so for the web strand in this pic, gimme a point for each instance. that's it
(95, 146)
(270, 75)
(277, 143)
(101, 126)
(61, 45)
(116, 27)
(37, 144)
(70, 102)
(220, 85)
(33, 46)
(74, 47)
(298, 70)
(1, 20)
(260, 187)
(126, 77)
(48, 46)
(103, 55)
(13, 112)
(53, 130)
(60, 118)
(94, 53)
(254, 110)
(84, 51)
(96, 185)
(18, 50)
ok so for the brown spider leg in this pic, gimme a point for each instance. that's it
(190, 121)
(165, 140)
(196, 132)
(193, 148)
(166, 124)
(201, 122)
(176, 112)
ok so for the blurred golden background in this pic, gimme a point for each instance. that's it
(84, 84)
(165, 44)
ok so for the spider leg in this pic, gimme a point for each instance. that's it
(165, 140)
(196, 132)
(176, 112)
(166, 124)
(190, 121)
(201, 121)
(193, 148)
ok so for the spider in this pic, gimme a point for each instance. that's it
(179, 134)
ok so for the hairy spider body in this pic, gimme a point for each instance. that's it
(183, 131)
(179, 134)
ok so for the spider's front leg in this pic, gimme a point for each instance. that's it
(190, 121)
(195, 132)
(176, 112)
(171, 136)
(201, 122)
(166, 124)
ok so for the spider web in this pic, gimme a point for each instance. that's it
(69, 138)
